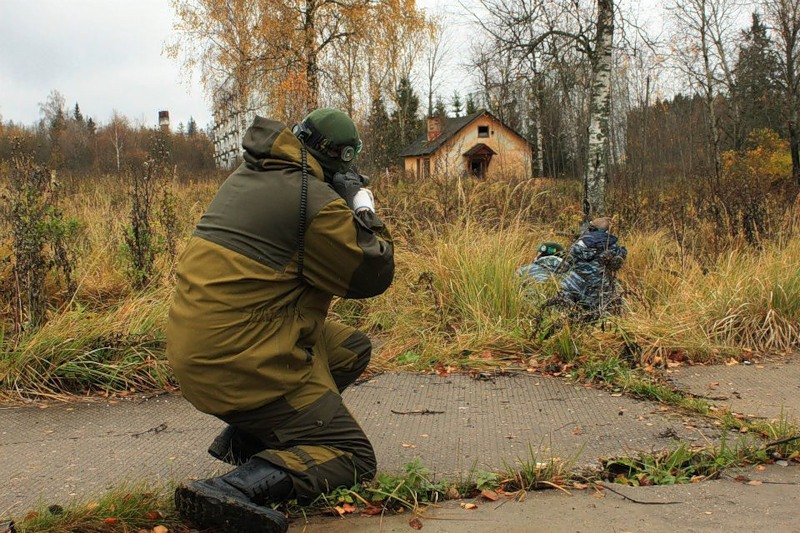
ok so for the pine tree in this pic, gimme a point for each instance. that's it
(440, 110)
(191, 128)
(471, 107)
(91, 127)
(456, 104)
(405, 121)
(181, 129)
(76, 114)
(757, 87)
(378, 148)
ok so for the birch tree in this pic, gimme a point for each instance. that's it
(598, 145)
(526, 27)
(278, 48)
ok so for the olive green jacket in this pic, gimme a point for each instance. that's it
(243, 325)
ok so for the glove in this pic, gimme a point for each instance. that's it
(363, 201)
(347, 185)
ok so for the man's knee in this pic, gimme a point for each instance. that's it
(366, 463)
(360, 345)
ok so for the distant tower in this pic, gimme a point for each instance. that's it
(163, 120)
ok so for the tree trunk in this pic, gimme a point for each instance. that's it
(794, 145)
(597, 160)
(791, 98)
(538, 166)
(709, 98)
(312, 67)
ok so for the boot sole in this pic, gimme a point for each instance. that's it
(206, 507)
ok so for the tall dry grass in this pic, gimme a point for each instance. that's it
(455, 298)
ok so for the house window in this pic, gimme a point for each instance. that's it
(483, 131)
(427, 167)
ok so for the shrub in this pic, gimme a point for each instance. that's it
(41, 237)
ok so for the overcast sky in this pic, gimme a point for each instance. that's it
(103, 54)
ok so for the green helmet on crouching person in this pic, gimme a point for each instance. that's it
(331, 137)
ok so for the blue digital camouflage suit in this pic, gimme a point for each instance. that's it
(590, 282)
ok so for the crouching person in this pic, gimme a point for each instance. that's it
(247, 335)
(590, 285)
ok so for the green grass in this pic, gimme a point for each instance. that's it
(79, 350)
(121, 510)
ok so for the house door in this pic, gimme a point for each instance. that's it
(478, 167)
(478, 158)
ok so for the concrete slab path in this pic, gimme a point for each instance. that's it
(54, 453)
(712, 506)
(758, 390)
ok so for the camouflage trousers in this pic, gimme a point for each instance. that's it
(309, 432)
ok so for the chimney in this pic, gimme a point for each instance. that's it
(163, 120)
(435, 127)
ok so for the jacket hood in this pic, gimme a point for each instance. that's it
(599, 239)
(269, 144)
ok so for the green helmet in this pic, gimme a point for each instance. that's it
(331, 137)
(550, 248)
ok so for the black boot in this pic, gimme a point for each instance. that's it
(234, 446)
(235, 501)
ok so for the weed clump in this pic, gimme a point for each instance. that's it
(41, 238)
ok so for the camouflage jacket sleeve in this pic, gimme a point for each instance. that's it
(346, 254)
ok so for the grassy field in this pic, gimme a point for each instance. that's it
(694, 291)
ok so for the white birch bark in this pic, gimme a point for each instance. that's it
(597, 163)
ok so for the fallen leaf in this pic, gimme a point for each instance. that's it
(579, 486)
(731, 362)
(599, 494)
(33, 515)
(452, 493)
(406, 445)
(111, 520)
(153, 515)
(372, 510)
(160, 529)
(697, 479)
(345, 509)
(91, 506)
(741, 479)
(761, 468)
(755, 482)
(489, 495)
(616, 394)
(415, 523)
(469, 506)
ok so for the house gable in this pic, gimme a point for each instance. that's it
(478, 144)
(454, 127)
